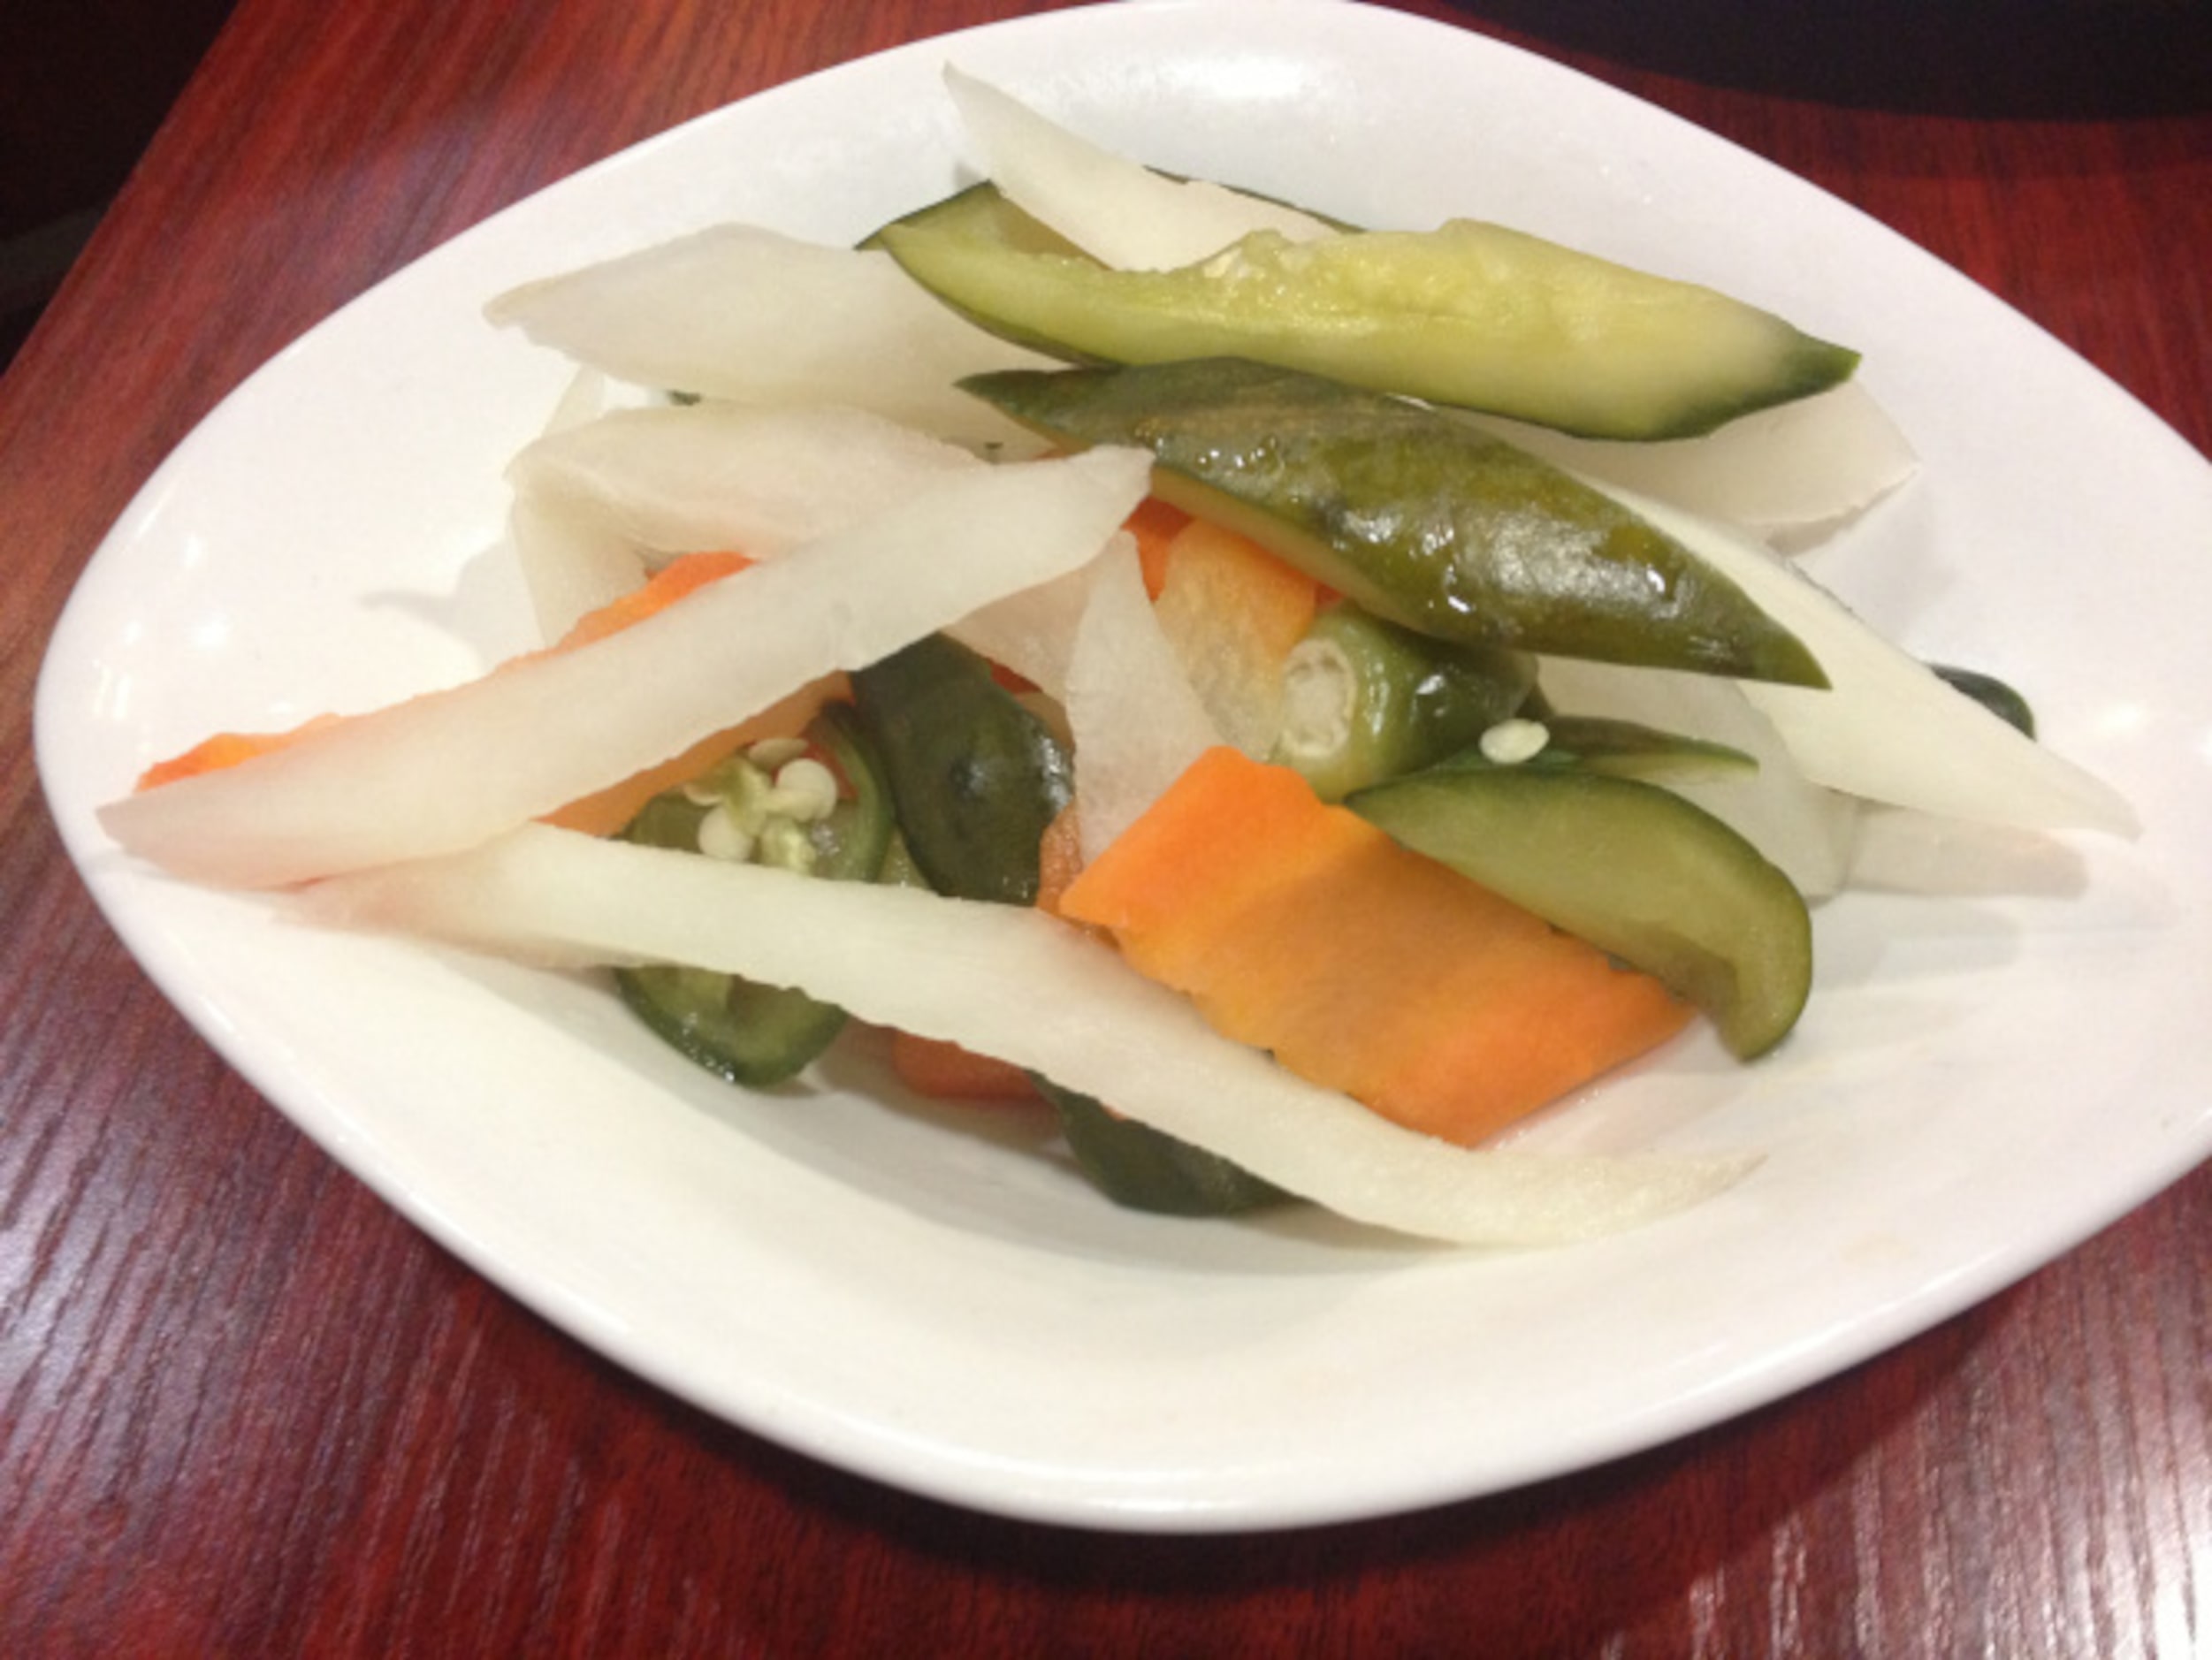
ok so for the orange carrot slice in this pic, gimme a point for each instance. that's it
(1301, 929)
(1154, 524)
(944, 1071)
(673, 582)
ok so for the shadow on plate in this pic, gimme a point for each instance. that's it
(2038, 59)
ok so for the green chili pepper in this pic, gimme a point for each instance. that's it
(1416, 514)
(1144, 1169)
(974, 777)
(750, 1033)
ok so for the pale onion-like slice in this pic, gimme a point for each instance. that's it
(1033, 632)
(1888, 727)
(599, 505)
(571, 563)
(1791, 474)
(452, 768)
(720, 478)
(748, 314)
(1131, 711)
(1015, 982)
(1803, 829)
(1120, 213)
(566, 570)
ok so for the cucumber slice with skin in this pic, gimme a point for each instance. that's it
(1414, 513)
(1471, 314)
(1633, 869)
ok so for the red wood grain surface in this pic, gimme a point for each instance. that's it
(245, 1408)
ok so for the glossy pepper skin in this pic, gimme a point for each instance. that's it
(1140, 1168)
(1417, 515)
(974, 777)
(749, 1033)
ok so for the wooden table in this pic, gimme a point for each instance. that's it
(245, 1408)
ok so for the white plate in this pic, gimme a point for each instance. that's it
(1980, 1084)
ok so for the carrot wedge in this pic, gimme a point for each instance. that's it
(1300, 928)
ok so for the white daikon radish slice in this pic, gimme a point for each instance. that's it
(568, 570)
(1119, 212)
(1033, 632)
(1135, 720)
(571, 563)
(749, 315)
(1790, 474)
(599, 505)
(1889, 729)
(585, 397)
(452, 768)
(1803, 829)
(720, 478)
(1015, 982)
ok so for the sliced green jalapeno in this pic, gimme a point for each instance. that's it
(834, 823)
(974, 777)
(1143, 1168)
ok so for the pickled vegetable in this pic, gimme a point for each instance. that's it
(1470, 314)
(974, 776)
(2000, 699)
(1633, 869)
(1144, 1169)
(1364, 700)
(1416, 514)
(751, 1033)
(1299, 929)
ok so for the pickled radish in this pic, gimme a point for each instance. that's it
(970, 973)
(1116, 212)
(450, 768)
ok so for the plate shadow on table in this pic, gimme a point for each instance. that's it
(2018, 59)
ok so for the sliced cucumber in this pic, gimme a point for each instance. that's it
(1415, 513)
(1470, 315)
(1633, 869)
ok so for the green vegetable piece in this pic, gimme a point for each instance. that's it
(1416, 514)
(1634, 870)
(1142, 1168)
(1623, 748)
(973, 775)
(749, 1033)
(1992, 694)
(982, 212)
(1470, 315)
(1364, 700)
